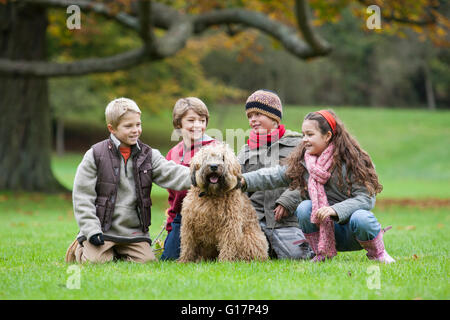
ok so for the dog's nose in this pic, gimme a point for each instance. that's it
(213, 167)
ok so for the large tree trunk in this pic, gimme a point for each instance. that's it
(25, 130)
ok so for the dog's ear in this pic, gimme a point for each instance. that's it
(238, 182)
(193, 179)
(234, 166)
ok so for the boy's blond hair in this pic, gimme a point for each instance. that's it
(117, 108)
(184, 105)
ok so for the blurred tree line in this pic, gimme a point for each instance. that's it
(365, 68)
(386, 67)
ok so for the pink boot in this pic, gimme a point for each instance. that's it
(375, 248)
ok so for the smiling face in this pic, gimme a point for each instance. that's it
(193, 126)
(314, 140)
(128, 130)
(260, 123)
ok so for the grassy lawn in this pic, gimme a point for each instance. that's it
(410, 150)
(37, 229)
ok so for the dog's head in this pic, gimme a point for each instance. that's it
(215, 169)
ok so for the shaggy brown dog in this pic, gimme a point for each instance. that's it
(218, 219)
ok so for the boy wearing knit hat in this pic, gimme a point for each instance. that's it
(268, 144)
(265, 102)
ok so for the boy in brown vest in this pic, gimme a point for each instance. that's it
(111, 193)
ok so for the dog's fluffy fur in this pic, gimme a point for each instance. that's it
(218, 218)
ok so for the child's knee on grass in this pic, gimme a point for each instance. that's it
(95, 254)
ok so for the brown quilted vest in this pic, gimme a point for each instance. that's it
(108, 160)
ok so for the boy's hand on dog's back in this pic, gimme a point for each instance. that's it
(97, 239)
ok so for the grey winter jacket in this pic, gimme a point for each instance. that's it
(271, 178)
(265, 201)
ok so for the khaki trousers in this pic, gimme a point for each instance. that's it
(139, 252)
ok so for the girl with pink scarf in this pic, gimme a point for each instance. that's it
(338, 184)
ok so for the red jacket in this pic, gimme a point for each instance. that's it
(181, 156)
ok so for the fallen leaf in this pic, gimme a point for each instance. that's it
(20, 224)
(410, 227)
(36, 197)
(415, 257)
(349, 273)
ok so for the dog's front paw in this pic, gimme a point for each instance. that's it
(184, 259)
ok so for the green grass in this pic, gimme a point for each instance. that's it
(37, 229)
(410, 150)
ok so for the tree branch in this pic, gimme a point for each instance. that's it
(287, 36)
(302, 12)
(80, 67)
(180, 27)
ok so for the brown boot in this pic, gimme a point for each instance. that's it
(70, 254)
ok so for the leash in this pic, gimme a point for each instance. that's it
(154, 241)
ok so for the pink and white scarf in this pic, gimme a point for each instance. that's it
(318, 175)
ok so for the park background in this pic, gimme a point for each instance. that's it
(389, 86)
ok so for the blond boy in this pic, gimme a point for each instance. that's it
(111, 193)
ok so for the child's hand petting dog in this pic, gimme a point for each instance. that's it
(243, 185)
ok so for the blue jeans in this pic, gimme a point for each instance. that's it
(172, 243)
(362, 226)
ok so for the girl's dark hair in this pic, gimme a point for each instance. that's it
(347, 151)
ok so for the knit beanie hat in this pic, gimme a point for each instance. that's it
(265, 102)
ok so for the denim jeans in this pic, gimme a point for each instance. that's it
(362, 226)
(172, 242)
